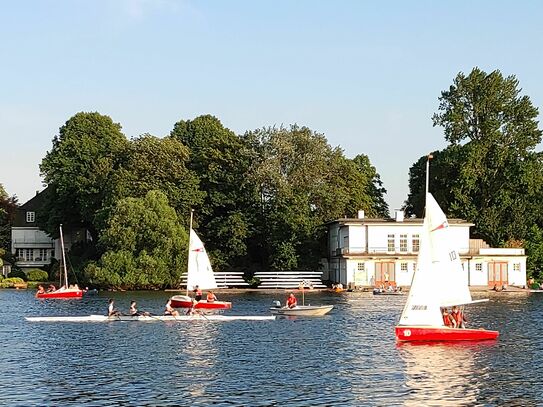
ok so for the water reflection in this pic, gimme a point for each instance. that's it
(442, 373)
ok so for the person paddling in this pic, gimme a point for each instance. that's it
(111, 311)
(169, 310)
(292, 301)
(134, 310)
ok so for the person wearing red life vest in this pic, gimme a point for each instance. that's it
(458, 317)
(197, 293)
(292, 301)
(448, 319)
(211, 297)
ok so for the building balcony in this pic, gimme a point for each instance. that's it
(384, 251)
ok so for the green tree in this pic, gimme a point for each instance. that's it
(77, 170)
(8, 205)
(144, 245)
(151, 163)
(220, 160)
(303, 182)
(490, 173)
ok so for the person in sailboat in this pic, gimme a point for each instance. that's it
(51, 288)
(169, 310)
(448, 319)
(197, 293)
(211, 297)
(41, 290)
(111, 310)
(292, 302)
(459, 317)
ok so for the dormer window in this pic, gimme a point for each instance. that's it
(30, 217)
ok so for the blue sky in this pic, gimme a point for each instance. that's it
(366, 74)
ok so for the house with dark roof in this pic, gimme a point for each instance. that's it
(32, 247)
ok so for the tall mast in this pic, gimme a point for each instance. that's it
(63, 260)
(430, 156)
(188, 256)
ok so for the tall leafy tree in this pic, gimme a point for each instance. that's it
(490, 173)
(77, 170)
(220, 160)
(145, 245)
(303, 182)
(152, 163)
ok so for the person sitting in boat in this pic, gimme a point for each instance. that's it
(459, 317)
(292, 302)
(448, 319)
(197, 293)
(169, 310)
(211, 297)
(111, 311)
(51, 288)
(41, 290)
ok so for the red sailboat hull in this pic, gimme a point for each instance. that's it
(434, 334)
(182, 301)
(61, 294)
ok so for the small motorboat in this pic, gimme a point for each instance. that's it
(302, 310)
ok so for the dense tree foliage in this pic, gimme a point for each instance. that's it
(84, 156)
(302, 182)
(145, 245)
(261, 199)
(220, 161)
(490, 174)
(8, 205)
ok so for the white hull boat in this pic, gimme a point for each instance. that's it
(302, 310)
(151, 318)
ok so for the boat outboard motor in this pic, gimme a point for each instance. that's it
(276, 304)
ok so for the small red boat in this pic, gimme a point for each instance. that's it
(184, 301)
(62, 293)
(425, 316)
(66, 291)
(440, 333)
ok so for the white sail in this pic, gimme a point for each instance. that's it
(439, 279)
(199, 271)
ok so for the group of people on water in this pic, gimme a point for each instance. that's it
(168, 309)
(455, 318)
(53, 288)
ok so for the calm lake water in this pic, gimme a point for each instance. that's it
(349, 357)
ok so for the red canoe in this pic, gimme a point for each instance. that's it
(184, 301)
(433, 334)
(61, 293)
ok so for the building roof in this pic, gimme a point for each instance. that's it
(32, 205)
(391, 222)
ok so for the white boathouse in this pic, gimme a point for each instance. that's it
(365, 252)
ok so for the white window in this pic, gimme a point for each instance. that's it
(390, 246)
(478, 266)
(403, 266)
(25, 254)
(403, 243)
(416, 243)
(360, 266)
(42, 256)
(516, 266)
(30, 217)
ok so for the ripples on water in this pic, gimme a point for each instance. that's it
(349, 357)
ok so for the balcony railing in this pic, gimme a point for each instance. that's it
(350, 251)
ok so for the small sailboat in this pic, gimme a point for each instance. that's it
(199, 274)
(438, 262)
(301, 310)
(65, 291)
